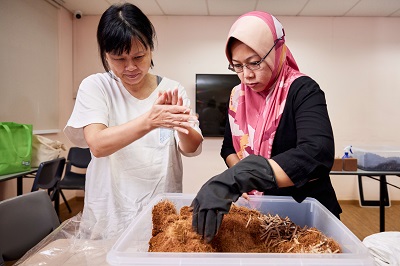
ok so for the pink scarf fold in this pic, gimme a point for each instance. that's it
(254, 116)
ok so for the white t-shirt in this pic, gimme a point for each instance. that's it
(120, 185)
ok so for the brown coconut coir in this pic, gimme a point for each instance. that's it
(242, 230)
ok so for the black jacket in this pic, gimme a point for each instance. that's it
(303, 145)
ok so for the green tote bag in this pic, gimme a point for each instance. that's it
(15, 147)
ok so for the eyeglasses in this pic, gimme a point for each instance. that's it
(238, 68)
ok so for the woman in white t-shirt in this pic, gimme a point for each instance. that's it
(136, 125)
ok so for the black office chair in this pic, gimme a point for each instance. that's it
(47, 177)
(25, 221)
(79, 158)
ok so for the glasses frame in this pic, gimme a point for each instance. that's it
(257, 64)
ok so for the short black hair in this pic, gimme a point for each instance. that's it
(118, 25)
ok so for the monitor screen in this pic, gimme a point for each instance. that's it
(212, 98)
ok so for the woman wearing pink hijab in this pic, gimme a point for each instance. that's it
(278, 138)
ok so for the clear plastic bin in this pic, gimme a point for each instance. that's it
(131, 248)
(383, 158)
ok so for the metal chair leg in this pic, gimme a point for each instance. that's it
(65, 201)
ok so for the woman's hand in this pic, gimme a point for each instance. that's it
(190, 139)
(169, 98)
(169, 112)
(104, 141)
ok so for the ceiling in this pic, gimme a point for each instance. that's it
(332, 8)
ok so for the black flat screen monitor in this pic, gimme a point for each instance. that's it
(212, 98)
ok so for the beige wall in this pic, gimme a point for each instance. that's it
(66, 102)
(355, 61)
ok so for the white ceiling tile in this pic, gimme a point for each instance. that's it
(281, 7)
(184, 7)
(230, 7)
(88, 7)
(238, 7)
(327, 7)
(374, 8)
(149, 7)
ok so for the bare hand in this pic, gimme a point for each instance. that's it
(170, 98)
(169, 112)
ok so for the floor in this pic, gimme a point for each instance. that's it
(76, 205)
(362, 221)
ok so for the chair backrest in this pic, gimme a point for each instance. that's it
(48, 174)
(24, 221)
(79, 157)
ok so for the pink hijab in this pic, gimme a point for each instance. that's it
(254, 116)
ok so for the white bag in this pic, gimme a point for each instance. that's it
(384, 247)
(44, 149)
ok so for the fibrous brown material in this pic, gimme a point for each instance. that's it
(242, 230)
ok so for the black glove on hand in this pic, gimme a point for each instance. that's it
(216, 196)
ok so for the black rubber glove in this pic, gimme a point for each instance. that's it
(216, 196)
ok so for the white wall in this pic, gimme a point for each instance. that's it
(355, 61)
(63, 79)
(29, 63)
